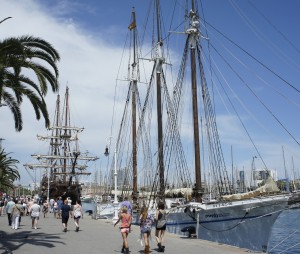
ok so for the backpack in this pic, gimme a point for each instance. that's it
(162, 221)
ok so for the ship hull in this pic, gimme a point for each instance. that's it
(245, 224)
(62, 190)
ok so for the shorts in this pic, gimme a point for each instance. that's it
(78, 217)
(145, 230)
(64, 220)
(162, 228)
(125, 230)
(35, 217)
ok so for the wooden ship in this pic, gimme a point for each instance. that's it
(64, 163)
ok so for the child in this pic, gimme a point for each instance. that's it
(146, 221)
(126, 220)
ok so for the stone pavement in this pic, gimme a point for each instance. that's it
(94, 236)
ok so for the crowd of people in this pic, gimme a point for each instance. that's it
(17, 207)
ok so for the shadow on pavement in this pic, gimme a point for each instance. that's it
(11, 242)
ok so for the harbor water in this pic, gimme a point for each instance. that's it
(285, 237)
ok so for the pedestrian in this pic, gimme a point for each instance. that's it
(45, 208)
(161, 224)
(8, 209)
(29, 205)
(59, 205)
(65, 213)
(77, 214)
(146, 221)
(51, 204)
(35, 210)
(126, 220)
(55, 210)
(2, 203)
(23, 209)
(15, 214)
(127, 203)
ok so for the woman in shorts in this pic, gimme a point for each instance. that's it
(77, 214)
(125, 219)
(146, 221)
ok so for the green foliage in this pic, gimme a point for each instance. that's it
(27, 53)
(8, 171)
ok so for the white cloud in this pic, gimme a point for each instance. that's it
(87, 66)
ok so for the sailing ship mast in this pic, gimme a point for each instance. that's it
(133, 81)
(159, 61)
(193, 37)
(62, 162)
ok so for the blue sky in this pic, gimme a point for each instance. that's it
(90, 37)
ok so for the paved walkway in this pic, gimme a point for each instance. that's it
(94, 237)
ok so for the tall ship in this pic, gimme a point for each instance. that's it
(154, 156)
(64, 164)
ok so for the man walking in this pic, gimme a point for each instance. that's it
(65, 213)
(9, 207)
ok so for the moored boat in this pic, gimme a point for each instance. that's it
(218, 211)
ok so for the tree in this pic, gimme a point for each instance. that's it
(21, 55)
(8, 171)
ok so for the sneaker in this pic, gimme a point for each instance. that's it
(35, 227)
(65, 230)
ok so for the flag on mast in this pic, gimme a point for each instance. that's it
(132, 25)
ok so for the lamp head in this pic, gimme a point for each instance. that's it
(106, 153)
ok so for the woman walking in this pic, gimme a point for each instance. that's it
(146, 221)
(161, 223)
(77, 214)
(125, 219)
(45, 208)
(55, 210)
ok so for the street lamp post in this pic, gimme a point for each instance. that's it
(116, 203)
(48, 189)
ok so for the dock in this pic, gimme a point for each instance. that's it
(94, 237)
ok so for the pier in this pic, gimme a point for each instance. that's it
(94, 237)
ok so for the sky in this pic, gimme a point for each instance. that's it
(90, 35)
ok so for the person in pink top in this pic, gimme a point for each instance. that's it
(126, 220)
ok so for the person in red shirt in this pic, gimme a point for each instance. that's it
(126, 220)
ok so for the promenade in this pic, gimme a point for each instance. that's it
(94, 237)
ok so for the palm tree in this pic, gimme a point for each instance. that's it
(27, 53)
(8, 171)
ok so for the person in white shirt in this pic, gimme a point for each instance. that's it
(35, 214)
